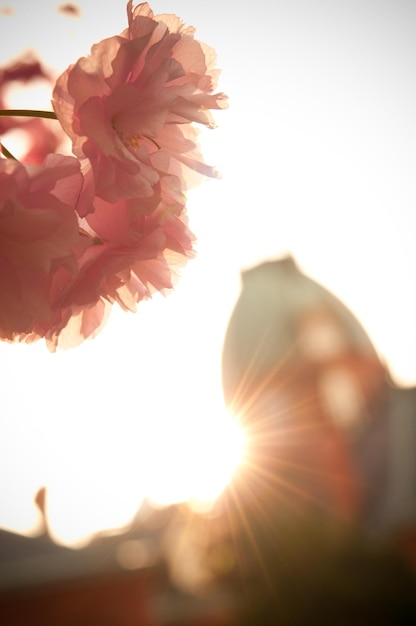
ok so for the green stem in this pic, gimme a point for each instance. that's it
(28, 113)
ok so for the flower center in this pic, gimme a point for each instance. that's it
(134, 142)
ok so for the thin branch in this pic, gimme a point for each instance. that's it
(28, 113)
(6, 153)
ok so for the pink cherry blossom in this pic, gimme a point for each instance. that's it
(127, 251)
(79, 234)
(137, 252)
(129, 106)
(38, 231)
(134, 253)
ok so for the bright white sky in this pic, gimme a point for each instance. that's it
(318, 157)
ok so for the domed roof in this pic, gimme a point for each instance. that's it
(270, 322)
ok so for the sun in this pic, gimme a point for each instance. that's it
(202, 456)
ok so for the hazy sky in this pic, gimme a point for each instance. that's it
(318, 158)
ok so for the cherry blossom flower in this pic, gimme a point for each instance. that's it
(126, 252)
(38, 231)
(129, 106)
(110, 225)
(137, 252)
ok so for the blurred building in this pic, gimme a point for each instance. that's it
(323, 513)
(119, 579)
(305, 380)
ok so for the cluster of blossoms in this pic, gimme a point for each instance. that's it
(109, 224)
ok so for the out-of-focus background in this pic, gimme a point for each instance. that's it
(317, 154)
